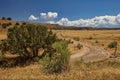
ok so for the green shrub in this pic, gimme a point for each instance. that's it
(112, 44)
(60, 59)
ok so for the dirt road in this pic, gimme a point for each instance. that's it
(88, 53)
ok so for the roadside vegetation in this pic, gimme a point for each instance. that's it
(33, 43)
(59, 62)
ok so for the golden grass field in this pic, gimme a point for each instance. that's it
(79, 71)
(104, 70)
(103, 37)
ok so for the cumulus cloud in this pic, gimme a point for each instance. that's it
(98, 21)
(32, 17)
(107, 21)
(50, 16)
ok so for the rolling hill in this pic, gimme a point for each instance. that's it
(6, 23)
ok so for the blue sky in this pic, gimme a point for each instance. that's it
(67, 10)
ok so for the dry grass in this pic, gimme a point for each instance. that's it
(78, 71)
(94, 37)
(3, 35)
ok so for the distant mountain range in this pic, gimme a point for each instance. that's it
(58, 27)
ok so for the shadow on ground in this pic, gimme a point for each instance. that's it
(16, 61)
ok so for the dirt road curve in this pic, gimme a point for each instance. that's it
(88, 52)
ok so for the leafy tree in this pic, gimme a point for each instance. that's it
(27, 40)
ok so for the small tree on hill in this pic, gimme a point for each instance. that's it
(5, 25)
(9, 18)
(3, 18)
(113, 45)
(10, 23)
(24, 23)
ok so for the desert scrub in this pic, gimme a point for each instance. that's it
(5, 25)
(24, 23)
(9, 18)
(112, 44)
(76, 38)
(90, 37)
(79, 46)
(102, 44)
(59, 61)
(69, 41)
(96, 41)
(17, 23)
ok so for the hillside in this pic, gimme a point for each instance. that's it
(5, 24)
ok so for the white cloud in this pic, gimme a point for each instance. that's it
(98, 21)
(32, 17)
(64, 22)
(43, 15)
(50, 16)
